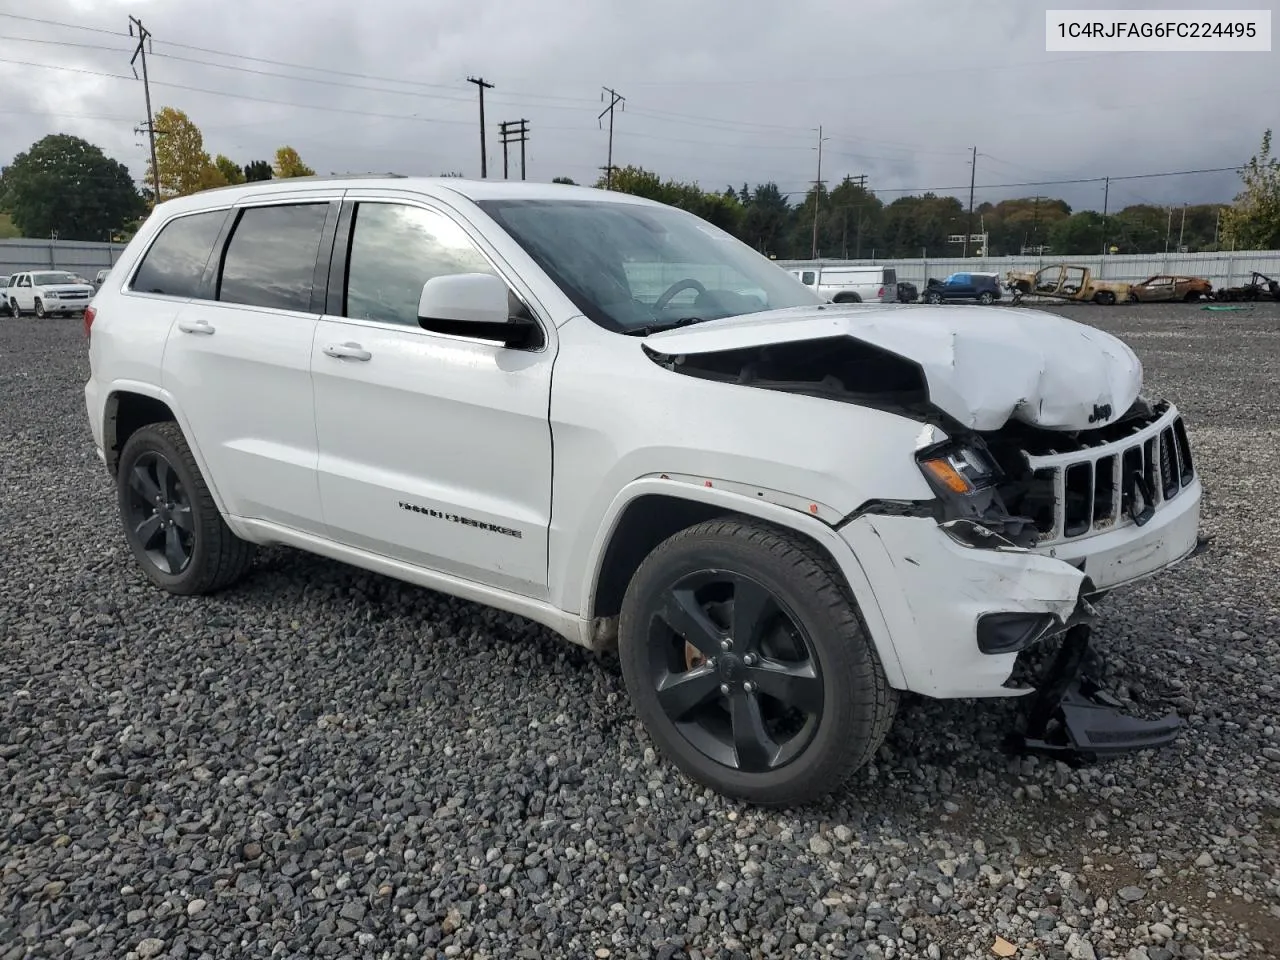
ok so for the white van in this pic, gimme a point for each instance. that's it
(851, 284)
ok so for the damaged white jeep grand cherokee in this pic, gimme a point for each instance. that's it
(613, 418)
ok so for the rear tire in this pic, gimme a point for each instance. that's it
(777, 628)
(986, 298)
(170, 518)
(1104, 297)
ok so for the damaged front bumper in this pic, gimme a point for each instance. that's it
(964, 620)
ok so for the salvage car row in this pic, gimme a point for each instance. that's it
(1060, 281)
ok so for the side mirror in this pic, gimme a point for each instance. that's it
(474, 305)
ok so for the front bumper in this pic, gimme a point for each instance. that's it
(65, 306)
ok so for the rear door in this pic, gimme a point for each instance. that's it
(22, 292)
(239, 357)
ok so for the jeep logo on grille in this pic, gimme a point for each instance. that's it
(1100, 412)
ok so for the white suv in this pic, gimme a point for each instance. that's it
(608, 416)
(47, 293)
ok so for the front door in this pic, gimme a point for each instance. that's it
(434, 449)
(240, 360)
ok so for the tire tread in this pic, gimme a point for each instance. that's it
(226, 558)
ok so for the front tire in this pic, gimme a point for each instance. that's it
(40, 309)
(171, 521)
(933, 298)
(15, 311)
(748, 662)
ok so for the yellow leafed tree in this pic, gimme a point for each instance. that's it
(185, 166)
(289, 164)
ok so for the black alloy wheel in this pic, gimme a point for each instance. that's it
(158, 516)
(748, 663)
(170, 518)
(734, 671)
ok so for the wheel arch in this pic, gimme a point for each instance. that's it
(131, 405)
(651, 509)
(847, 296)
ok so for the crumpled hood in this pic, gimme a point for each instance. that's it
(983, 365)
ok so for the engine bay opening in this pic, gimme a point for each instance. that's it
(833, 368)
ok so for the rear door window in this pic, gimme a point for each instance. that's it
(271, 259)
(176, 260)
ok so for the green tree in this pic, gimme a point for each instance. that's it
(766, 218)
(912, 224)
(231, 172)
(185, 165)
(1253, 221)
(567, 180)
(257, 170)
(1080, 233)
(1021, 222)
(66, 184)
(289, 164)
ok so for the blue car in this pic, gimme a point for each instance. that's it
(983, 287)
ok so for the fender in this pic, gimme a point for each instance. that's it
(168, 399)
(815, 529)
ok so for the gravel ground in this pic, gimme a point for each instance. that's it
(323, 762)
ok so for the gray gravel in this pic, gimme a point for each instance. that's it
(328, 763)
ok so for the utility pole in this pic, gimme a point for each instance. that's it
(482, 86)
(513, 131)
(1106, 197)
(968, 229)
(1182, 229)
(1168, 229)
(144, 42)
(615, 98)
(817, 194)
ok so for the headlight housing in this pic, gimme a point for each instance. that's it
(958, 469)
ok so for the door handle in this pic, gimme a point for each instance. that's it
(195, 326)
(347, 351)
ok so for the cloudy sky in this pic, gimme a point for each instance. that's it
(717, 91)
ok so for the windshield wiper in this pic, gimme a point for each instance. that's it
(659, 327)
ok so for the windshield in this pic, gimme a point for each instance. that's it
(42, 279)
(634, 268)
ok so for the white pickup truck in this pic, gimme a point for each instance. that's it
(613, 418)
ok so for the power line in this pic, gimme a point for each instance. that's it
(327, 108)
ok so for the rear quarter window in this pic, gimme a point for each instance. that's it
(175, 262)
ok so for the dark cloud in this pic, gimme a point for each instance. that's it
(719, 92)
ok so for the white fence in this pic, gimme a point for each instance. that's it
(1220, 269)
(77, 256)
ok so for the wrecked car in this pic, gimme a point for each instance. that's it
(1165, 287)
(1259, 287)
(612, 418)
(1062, 281)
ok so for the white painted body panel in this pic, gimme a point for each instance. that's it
(318, 452)
(246, 391)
